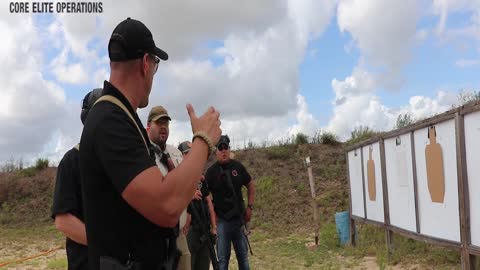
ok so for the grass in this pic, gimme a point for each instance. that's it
(282, 226)
(272, 250)
(279, 152)
(58, 264)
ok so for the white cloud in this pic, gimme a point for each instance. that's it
(31, 105)
(305, 122)
(361, 107)
(464, 63)
(243, 57)
(73, 73)
(384, 31)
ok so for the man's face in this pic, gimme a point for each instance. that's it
(151, 67)
(158, 131)
(223, 153)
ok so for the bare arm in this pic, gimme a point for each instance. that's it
(251, 199)
(251, 192)
(72, 227)
(162, 199)
(213, 217)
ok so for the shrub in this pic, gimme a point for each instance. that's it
(466, 96)
(41, 163)
(404, 120)
(301, 138)
(328, 138)
(361, 133)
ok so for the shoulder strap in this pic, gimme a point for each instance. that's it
(117, 102)
(77, 147)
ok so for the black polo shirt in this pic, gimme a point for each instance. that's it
(67, 199)
(222, 193)
(112, 154)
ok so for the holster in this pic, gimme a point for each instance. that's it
(170, 261)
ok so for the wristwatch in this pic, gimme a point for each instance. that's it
(250, 206)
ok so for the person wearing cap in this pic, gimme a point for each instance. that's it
(167, 158)
(67, 208)
(202, 204)
(131, 209)
(225, 179)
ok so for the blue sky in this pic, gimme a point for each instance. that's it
(283, 67)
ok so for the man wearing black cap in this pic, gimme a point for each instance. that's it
(130, 207)
(67, 208)
(225, 179)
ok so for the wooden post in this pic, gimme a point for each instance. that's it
(415, 185)
(463, 194)
(386, 207)
(314, 201)
(353, 234)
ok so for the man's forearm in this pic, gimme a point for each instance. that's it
(213, 217)
(251, 192)
(183, 182)
(72, 227)
(162, 199)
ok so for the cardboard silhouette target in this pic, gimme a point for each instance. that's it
(434, 162)
(372, 192)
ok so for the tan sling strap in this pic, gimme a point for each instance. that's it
(77, 147)
(117, 102)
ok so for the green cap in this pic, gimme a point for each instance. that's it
(158, 112)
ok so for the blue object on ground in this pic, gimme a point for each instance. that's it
(342, 220)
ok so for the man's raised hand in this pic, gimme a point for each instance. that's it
(209, 123)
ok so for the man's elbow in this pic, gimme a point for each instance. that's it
(60, 223)
(168, 219)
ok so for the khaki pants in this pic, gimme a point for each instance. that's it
(184, 263)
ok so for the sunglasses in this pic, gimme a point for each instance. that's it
(222, 147)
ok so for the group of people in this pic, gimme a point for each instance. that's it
(125, 199)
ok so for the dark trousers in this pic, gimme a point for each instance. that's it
(229, 232)
(200, 257)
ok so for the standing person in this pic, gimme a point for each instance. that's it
(167, 158)
(67, 208)
(225, 179)
(204, 217)
(130, 207)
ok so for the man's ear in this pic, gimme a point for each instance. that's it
(145, 64)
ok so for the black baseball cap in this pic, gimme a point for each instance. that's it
(130, 40)
(224, 139)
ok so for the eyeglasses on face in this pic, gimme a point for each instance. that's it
(156, 60)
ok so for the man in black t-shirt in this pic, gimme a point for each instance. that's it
(225, 179)
(130, 207)
(67, 208)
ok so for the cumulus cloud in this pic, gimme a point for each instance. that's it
(31, 105)
(242, 57)
(384, 32)
(360, 105)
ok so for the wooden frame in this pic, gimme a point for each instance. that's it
(467, 250)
